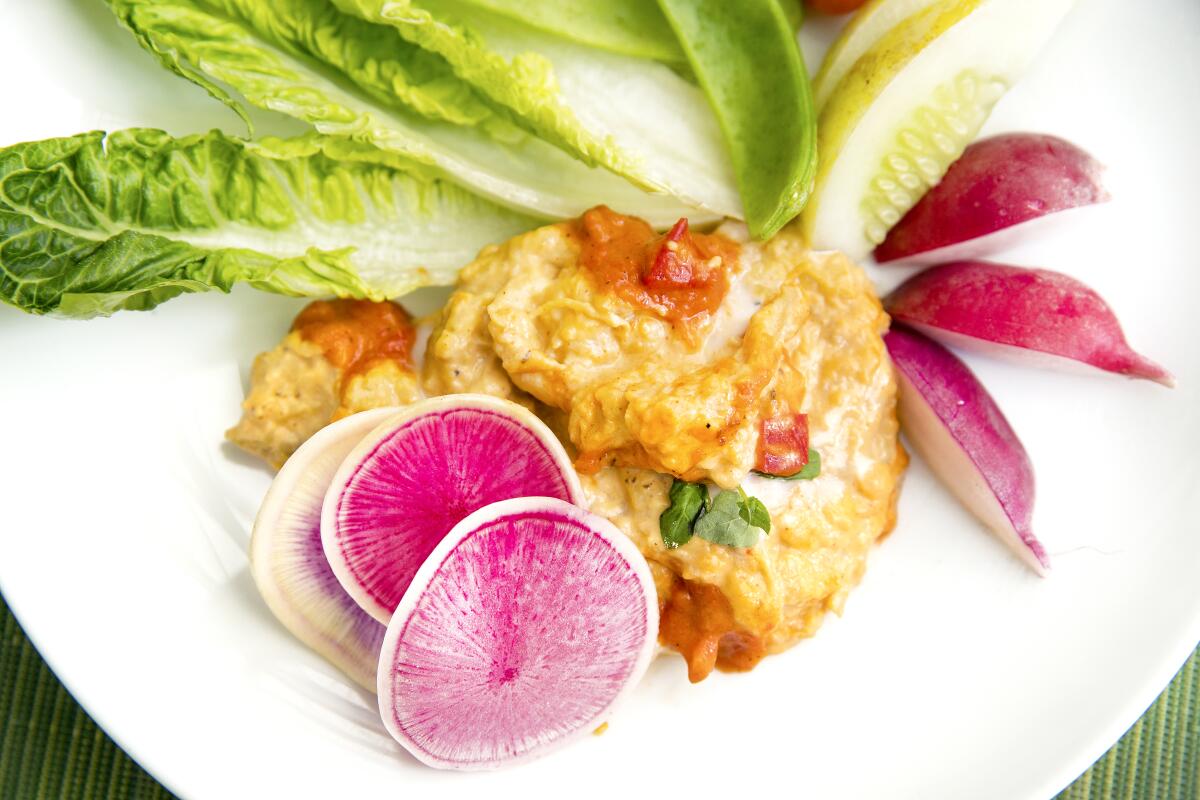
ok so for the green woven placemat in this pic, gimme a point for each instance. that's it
(50, 748)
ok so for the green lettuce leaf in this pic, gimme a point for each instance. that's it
(630, 27)
(638, 118)
(747, 59)
(92, 224)
(364, 82)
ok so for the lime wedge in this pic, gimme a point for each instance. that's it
(909, 106)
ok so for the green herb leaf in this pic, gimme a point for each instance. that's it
(746, 58)
(688, 501)
(728, 521)
(811, 470)
(755, 513)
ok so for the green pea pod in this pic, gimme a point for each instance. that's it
(746, 58)
(794, 11)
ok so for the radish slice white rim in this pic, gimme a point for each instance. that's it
(403, 512)
(287, 560)
(409, 688)
(1001, 239)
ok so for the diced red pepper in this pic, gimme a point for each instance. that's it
(675, 261)
(783, 445)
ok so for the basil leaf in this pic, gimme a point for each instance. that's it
(687, 504)
(724, 524)
(811, 470)
(755, 513)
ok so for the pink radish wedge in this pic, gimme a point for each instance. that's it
(960, 432)
(1025, 315)
(525, 627)
(995, 190)
(288, 562)
(410, 481)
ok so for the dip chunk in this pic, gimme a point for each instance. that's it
(703, 357)
(340, 357)
(792, 347)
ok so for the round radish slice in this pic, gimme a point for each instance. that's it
(410, 481)
(521, 632)
(288, 562)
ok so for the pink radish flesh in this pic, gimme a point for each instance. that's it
(1031, 315)
(963, 436)
(521, 632)
(996, 184)
(288, 562)
(409, 483)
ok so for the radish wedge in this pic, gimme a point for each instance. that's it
(987, 199)
(1025, 315)
(288, 562)
(411, 480)
(521, 632)
(960, 432)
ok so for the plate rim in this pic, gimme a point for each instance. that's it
(1096, 746)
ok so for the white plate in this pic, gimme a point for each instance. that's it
(954, 673)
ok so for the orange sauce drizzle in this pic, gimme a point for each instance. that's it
(697, 621)
(681, 276)
(357, 334)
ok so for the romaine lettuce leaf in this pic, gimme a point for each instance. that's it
(636, 117)
(630, 27)
(91, 224)
(353, 79)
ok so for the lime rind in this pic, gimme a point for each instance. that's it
(929, 141)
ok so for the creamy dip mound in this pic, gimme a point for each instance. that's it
(653, 359)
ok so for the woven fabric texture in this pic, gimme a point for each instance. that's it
(51, 750)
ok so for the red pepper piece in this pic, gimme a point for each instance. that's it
(782, 445)
(676, 262)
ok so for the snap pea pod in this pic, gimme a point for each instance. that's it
(748, 62)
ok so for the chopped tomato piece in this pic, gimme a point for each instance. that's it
(783, 444)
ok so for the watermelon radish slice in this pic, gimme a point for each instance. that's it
(526, 626)
(410, 481)
(288, 562)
